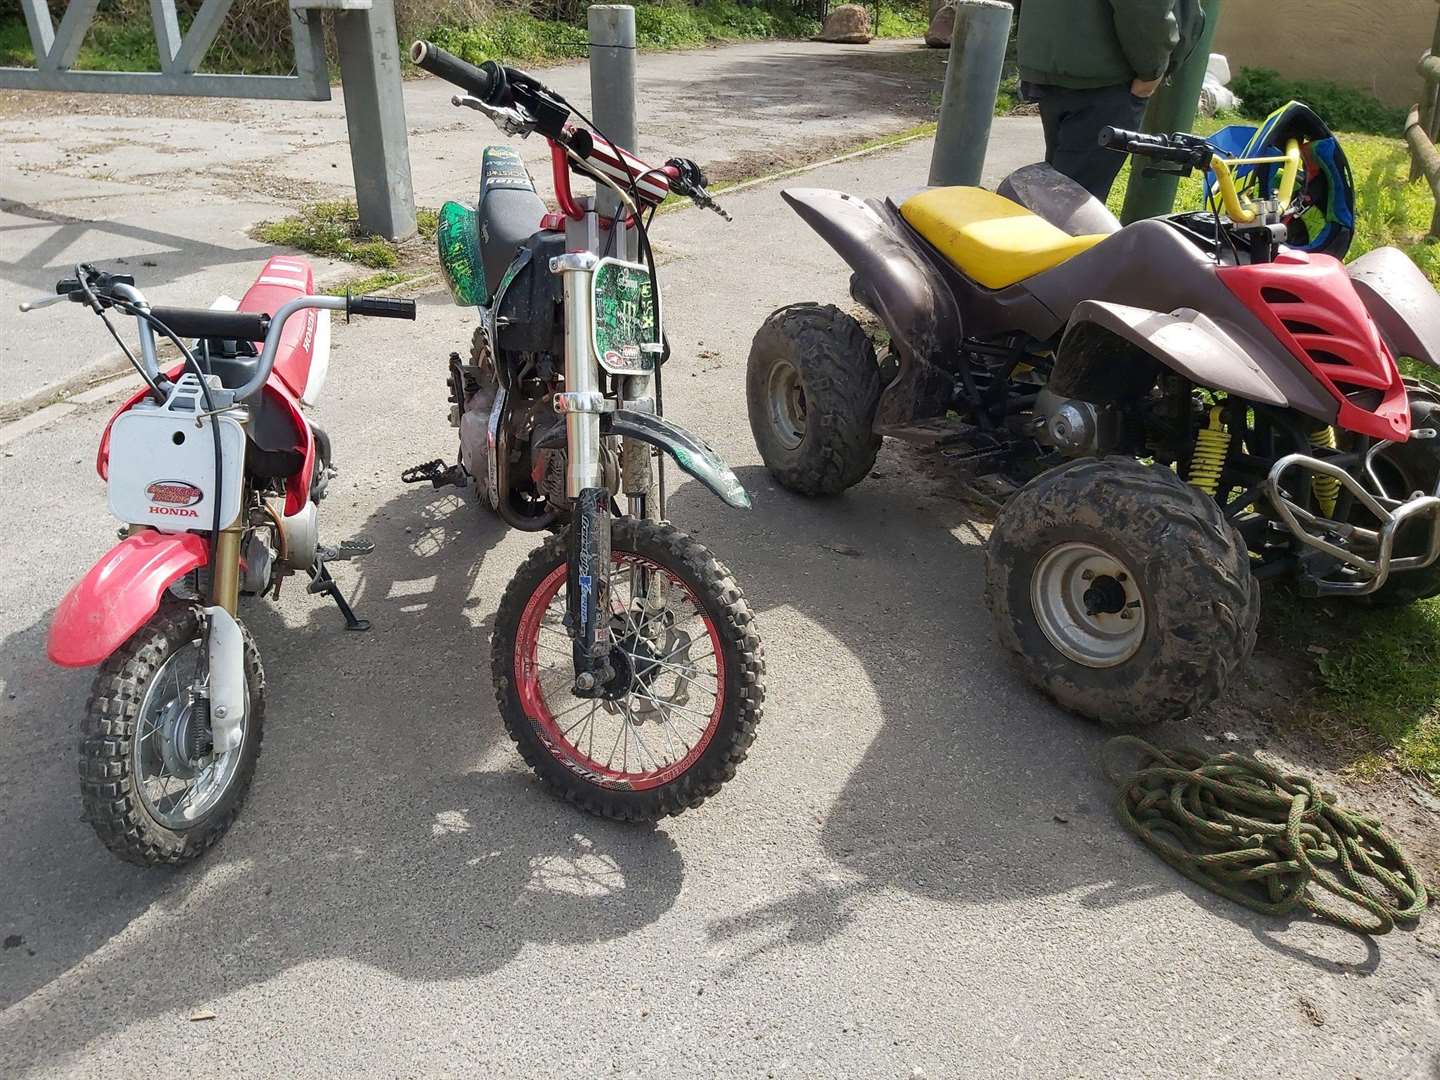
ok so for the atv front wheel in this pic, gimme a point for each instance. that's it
(812, 385)
(1121, 591)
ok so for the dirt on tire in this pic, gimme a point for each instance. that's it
(1192, 570)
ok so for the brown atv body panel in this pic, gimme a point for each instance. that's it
(1402, 302)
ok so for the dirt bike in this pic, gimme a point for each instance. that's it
(218, 475)
(627, 664)
(1195, 404)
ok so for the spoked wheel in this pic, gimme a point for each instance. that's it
(680, 713)
(153, 787)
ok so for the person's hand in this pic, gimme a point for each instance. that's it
(1144, 88)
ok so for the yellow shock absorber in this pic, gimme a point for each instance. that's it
(1212, 444)
(1326, 488)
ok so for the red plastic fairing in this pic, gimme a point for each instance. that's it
(282, 280)
(119, 594)
(1311, 306)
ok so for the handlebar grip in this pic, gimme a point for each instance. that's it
(380, 307)
(1115, 137)
(208, 323)
(430, 57)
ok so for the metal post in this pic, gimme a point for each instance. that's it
(1429, 101)
(1171, 109)
(612, 87)
(375, 115)
(972, 82)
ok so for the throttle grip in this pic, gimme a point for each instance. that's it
(380, 307)
(430, 57)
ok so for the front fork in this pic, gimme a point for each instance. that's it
(587, 611)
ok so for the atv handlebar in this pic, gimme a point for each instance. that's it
(1187, 150)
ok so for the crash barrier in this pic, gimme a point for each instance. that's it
(1422, 127)
(1268, 840)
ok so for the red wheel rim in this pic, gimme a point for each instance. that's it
(641, 753)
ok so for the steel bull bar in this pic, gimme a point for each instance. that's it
(1339, 539)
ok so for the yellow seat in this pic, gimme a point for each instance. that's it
(989, 238)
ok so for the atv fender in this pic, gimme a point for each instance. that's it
(1184, 340)
(1401, 300)
(895, 280)
(689, 452)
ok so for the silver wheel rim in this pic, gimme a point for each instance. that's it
(1088, 605)
(176, 790)
(786, 398)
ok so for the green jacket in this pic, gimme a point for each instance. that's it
(1083, 44)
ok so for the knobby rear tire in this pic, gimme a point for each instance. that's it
(835, 360)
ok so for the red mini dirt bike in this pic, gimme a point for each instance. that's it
(1190, 402)
(217, 475)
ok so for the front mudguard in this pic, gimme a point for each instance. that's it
(689, 452)
(894, 279)
(1401, 300)
(120, 593)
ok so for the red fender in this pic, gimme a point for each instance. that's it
(120, 593)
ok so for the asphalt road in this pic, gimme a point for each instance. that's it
(169, 187)
(916, 873)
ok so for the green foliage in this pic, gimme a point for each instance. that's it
(1344, 108)
(902, 21)
(333, 229)
(1378, 670)
(522, 38)
(371, 283)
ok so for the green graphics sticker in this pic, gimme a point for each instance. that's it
(623, 304)
(458, 242)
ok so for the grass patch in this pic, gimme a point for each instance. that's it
(333, 229)
(1379, 675)
(372, 283)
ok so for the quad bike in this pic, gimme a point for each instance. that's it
(217, 474)
(1195, 404)
(626, 661)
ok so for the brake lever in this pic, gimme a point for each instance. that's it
(509, 120)
(44, 301)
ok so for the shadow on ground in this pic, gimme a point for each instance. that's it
(390, 822)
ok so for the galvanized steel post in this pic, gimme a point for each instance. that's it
(375, 115)
(612, 82)
(972, 82)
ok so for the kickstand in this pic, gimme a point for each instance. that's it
(323, 584)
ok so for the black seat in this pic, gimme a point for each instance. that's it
(508, 213)
(234, 371)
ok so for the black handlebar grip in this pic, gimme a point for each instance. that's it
(206, 323)
(380, 307)
(430, 57)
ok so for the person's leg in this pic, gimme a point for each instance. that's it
(1075, 148)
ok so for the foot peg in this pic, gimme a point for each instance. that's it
(346, 550)
(437, 472)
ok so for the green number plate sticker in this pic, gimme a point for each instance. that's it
(624, 314)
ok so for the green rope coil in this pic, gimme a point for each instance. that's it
(1265, 839)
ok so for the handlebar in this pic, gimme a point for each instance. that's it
(1194, 152)
(430, 57)
(101, 291)
(209, 323)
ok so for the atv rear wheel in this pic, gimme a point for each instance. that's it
(812, 385)
(1121, 591)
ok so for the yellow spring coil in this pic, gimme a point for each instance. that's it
(1326, 488)
(1212, 444)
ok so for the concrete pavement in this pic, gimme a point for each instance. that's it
(168, 187)
(915, 874)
